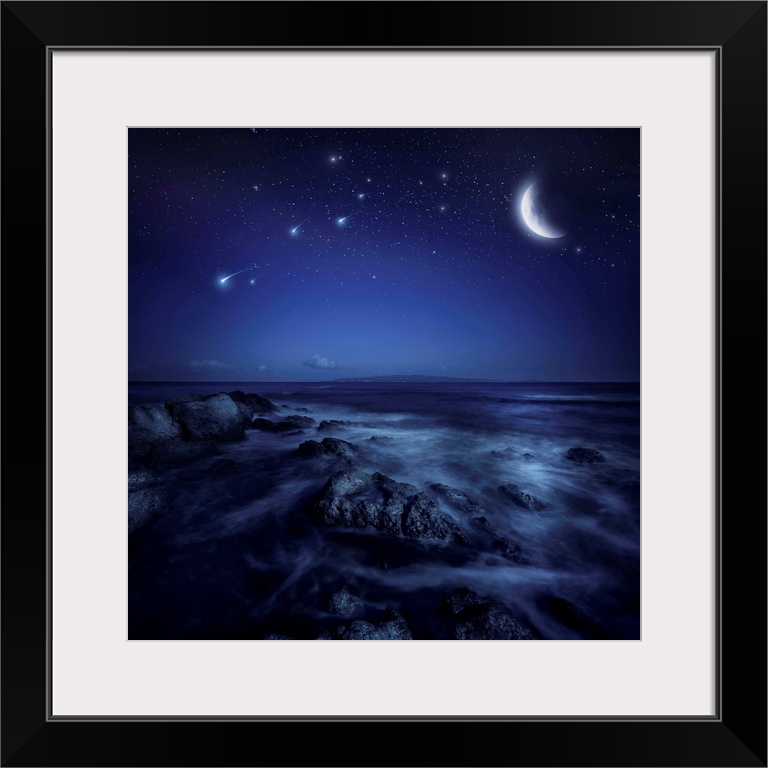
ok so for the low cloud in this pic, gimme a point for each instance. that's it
(207, 365)
(323, 363)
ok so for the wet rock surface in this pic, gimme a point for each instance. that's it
(584, 455)
(373, 502)
(344, 603)
(521, 498)
(456, 498)
(147, 497)
(208, 418)
(329, 446)
(288, 425)
(332, 425)
(466, 615)
(394, 628)
(183, 429)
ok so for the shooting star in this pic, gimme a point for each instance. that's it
(341, 221)
(295, 230)
(247, 269)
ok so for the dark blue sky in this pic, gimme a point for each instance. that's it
(365, 252)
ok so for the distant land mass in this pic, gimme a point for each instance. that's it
(406, 379)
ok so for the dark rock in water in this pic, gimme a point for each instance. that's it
(394, 628)
(150, 424)
(584, 455)
(257, 404)
(495, 623)
(277, 636)
(356, 499)
(246, 415)
(330, 446)
(289, 424)
(504, 547)
(569, 615)
(226, 468)
(142, 478)
(344, 603)
(455, 497)
(186, 428)
(423, 519)
(146, 498)
(207, 418)
(461, 600)
(381, 439)
(333, 424)
(466, 615)
(510, 453)
(521, 498)
(300, 421)
(513, 552)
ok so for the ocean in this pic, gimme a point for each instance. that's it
(549, 538)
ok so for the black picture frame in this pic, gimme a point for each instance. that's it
(736, 736)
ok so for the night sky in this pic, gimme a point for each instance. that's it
(315, 254)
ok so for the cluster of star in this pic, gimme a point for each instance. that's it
(359, 228)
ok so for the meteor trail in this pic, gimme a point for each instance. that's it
(296, 228)
(341, 221)
(224, 279)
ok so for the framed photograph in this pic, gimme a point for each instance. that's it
(420, 328)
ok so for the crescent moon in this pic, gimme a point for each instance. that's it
(535, 218)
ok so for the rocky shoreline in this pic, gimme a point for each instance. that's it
(398, 521)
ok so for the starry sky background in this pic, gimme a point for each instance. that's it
(375, 252)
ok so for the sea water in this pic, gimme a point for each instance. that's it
(237, 555)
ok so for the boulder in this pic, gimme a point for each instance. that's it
(393, 628)
(146, 498)
(466, 615)
(373, 502)
(344, 603)
(331, 425)
(511, 551)
(255, 404)
(290, 424)
(330, 446)
(455, 498)
(150, 424)
(246, 415)
(207, 418)
(584, 455)
(301, 421)
(502, 546)
(521, 498)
